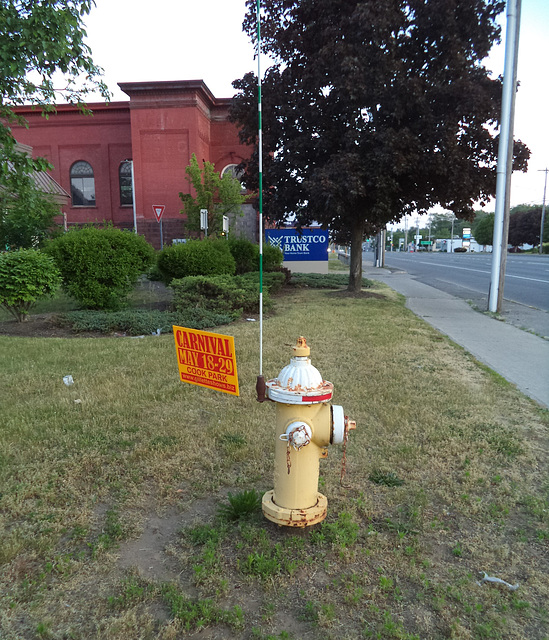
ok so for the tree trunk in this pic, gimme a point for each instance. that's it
(355, 270)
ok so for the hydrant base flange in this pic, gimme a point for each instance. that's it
(294, 517)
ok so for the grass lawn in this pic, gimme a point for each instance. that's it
(114, 518)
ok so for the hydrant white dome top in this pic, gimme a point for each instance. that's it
(299, 382)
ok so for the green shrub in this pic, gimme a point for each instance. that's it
(196, 258)
(245, 254)
(222, 294)
(100, 267)
(273, 281)
(272, 258)
(25, 276)
(139, 322)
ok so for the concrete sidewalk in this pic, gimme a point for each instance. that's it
(520, 357)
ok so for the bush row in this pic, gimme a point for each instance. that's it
(100, 267)
(215, 257)
(138, 322)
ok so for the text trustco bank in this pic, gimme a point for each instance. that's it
(305, 250)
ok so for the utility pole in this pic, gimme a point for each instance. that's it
(542, 212)
(505, 157)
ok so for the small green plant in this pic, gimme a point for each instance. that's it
(131, 592)
(386, 478)
(457, 550)
(343, 532)
(241, 505)
(25, 276)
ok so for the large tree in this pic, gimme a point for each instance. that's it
(373, 110)
(43, 59)
(525, 226)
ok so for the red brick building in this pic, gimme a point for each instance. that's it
(157, 130)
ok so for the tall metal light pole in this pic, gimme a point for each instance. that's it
(542, 212)
(505, 157)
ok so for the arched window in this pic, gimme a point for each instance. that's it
(82, 185)
(232, 170)
(125, 183)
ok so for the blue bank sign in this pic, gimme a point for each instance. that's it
(306, 245)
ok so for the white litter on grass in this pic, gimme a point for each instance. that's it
(157, 332)
(250, 320)
(78, 401)
(68, 380)
(487, 578)
(136, 337)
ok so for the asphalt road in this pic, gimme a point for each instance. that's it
(467, 276)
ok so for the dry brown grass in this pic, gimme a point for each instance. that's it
(81, 483)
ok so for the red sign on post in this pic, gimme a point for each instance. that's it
(158, 211)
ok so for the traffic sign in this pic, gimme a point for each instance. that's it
(206, 359)
(158, 211)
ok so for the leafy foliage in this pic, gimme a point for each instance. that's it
(372, 111)
(25, 276)
(100, 266)
(223, 294)
(196, 258)
(245, 254)
(26, 213)
(42, 39)
(525, 226)
(483, 229)
(219, 195)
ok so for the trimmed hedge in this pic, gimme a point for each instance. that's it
(100, 267)
(137, 322)
(223, 294)
(196, 258)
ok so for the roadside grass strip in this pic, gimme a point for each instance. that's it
(129, 501)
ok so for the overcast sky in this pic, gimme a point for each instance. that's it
(144, 40)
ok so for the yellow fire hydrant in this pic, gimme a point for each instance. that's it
(306, 423)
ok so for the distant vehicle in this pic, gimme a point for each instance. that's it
(460, 250)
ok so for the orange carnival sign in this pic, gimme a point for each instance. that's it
(206, 359)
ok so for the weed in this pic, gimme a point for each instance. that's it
(132, 591)
(457, 550)
(343, 532)
(386, 478)
(242, 505)
(200, 613)
(262, 565)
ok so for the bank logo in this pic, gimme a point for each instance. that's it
(276, 242)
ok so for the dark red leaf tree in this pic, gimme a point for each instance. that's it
(373, 110)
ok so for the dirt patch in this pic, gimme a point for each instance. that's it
(42, 326)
